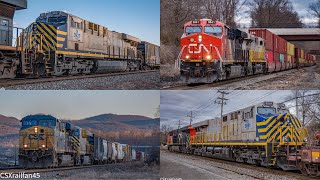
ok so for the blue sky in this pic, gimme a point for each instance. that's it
(78, 104)
(140, 18)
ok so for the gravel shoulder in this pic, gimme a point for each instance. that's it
(143, 81)
(130, 170)
(193, 167)
(304, 78)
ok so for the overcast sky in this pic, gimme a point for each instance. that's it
(301, 6)
(176, 105)
(140, 18)
(78, 104)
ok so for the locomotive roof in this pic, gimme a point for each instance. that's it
(36, 116)
(18, 4)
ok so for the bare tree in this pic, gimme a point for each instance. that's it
(165, 129)
(308, 107)
(315, 10)
(274, 14)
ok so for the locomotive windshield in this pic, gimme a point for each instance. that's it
(193, 29)
(58, 20)
(213, 30)
(266, 110)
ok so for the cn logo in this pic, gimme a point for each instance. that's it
(196, 49)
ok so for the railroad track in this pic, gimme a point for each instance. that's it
(273, 171)
(235, 83)
(26, 171)
(24, 81)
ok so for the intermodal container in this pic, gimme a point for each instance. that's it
(266, 35)
(290, 49)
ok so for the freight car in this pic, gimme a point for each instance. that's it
(59, 43)
(265, 134)
(310, 158)
(150, 55)
(211, 51)
(45, 141)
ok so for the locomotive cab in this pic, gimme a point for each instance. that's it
(37, 140)
(201, 41)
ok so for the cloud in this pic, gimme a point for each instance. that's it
(176, 105)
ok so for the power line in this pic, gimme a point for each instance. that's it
(210, 99)
(300, 97)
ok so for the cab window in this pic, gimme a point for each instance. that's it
(47, 123)
(30, 122)
(193, 29)
(266, 110)
(213, 30)
(58, 20)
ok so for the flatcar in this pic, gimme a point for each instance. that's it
(211, 51)
(45, 142)
(265, 134)
(59, 43)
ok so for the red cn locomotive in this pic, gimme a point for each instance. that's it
(210, 51)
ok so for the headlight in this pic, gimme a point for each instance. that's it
(305, 139)
(43, 145)
(35, 129)
(191, 40)
(200, 38)
(25, 146)
(208, 57)
(187, 56)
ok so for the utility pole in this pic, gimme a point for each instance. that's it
(222, 101)
(303, 110)
(179, 124)
(190, 117)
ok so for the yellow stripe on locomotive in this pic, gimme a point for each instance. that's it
(44, 37)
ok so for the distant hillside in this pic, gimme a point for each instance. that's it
(9, 130)
(130, 129)
(134, 120)
(8, 125)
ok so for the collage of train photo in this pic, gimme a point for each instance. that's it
(84, 94)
